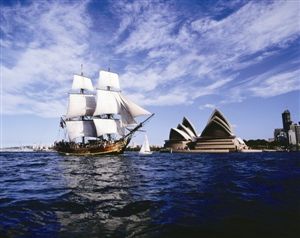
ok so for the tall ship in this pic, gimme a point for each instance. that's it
(99, 121)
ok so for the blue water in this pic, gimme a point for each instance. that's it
(162, 195)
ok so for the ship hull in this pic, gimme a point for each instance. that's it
(114, 148)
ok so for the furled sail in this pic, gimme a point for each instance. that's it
(108, 79)
(80, 128)
(106, 102)
(81, 82)
(108, 126)
(81, 105)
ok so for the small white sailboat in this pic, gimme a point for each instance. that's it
(145, 149)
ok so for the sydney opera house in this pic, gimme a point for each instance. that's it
(217, 136)
(182, 136)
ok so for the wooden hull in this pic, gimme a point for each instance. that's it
(117, 147)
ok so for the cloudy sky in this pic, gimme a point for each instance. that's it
(176, 58)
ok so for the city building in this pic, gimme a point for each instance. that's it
(286, 120)
(297, 131)
(277, 132)
(290, 133)
(294, 134)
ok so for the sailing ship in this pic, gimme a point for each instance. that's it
(101, 121)
(145, 149)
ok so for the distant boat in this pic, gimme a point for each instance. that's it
(99, 124)
(145, 149)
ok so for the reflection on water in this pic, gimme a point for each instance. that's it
(162, 195)
(103, 187)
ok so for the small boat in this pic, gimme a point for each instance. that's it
(99, 121)
(145, 149)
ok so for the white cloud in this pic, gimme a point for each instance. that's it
(164, 55)
(203, 24)
(202, 51)
(208, 105)
(51, 46)
(151, 27)
(177, 94)
(271, 85)
(174, 97)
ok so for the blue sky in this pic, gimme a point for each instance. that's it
(176, 58)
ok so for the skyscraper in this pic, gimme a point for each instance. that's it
(286, 120)
(294, 134)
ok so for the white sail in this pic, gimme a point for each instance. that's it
(145, 149)
(81, 82)
(126, 117)
(81, 105)
(106, 103)
(108, 126)
(80, 128)
(134, 109)
(108, 79)
(129, 110)
(111, 102)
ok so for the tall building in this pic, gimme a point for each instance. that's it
(277, 132)
(292, 137)
(297, 132)
(286, 120)
(294, 134)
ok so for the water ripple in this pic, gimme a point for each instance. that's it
(162, 195)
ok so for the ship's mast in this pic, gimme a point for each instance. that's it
(109, 116)
(82, 92)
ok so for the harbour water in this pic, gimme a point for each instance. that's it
(161, 195)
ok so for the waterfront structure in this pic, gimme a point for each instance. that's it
(218, 136)
(180, 137)
(297, 131)
(280, 135)
(286, 120)
(292, 137)
(294, 134)
(290, 133)
(277, 132)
